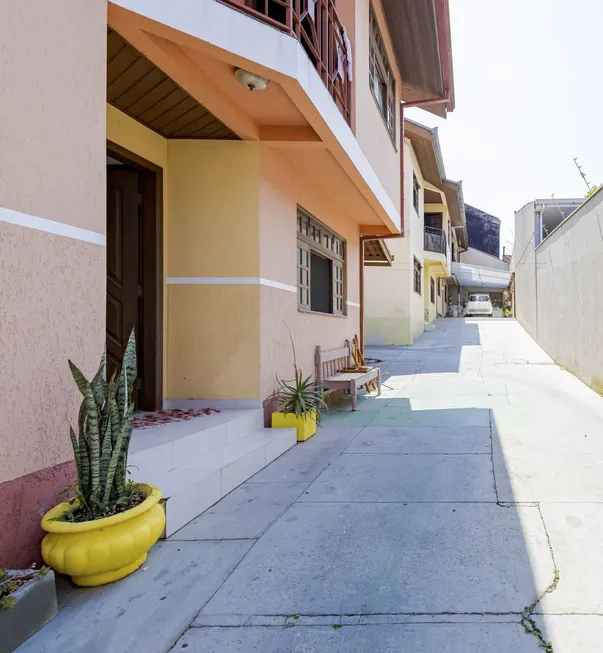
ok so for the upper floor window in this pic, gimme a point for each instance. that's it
(416, 189)
(416, 282)
(320, 266)
(381, 77)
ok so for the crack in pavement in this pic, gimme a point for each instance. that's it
(527, 615)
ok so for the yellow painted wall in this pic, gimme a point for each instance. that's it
(213, 330)
(213, 342)
(213, 188)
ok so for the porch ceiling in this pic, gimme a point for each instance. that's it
(142, 91)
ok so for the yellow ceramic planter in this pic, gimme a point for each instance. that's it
(305, 425)
(103, 550)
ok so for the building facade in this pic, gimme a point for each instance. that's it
(201, 172)
(408, 292)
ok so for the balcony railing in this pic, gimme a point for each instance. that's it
(316, 25)
(435, 240)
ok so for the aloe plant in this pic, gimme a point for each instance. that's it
(302, 395)
(105, 424)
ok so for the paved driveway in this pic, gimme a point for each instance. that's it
(454, 513)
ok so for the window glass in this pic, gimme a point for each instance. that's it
(418, 269)
(381, 77)
(320, 267)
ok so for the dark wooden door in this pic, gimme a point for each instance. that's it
(124, 290)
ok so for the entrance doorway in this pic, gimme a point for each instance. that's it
(134, 269)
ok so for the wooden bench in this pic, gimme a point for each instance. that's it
(333, 369)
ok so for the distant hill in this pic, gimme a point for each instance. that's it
(483, 230)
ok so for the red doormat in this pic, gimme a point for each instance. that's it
(160, 417)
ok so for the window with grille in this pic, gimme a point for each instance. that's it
(381, 77)
(439, 287)
(432, 290)
(320, 267)
(418, 269)
(416, 189)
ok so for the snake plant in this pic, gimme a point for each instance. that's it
(105, 424)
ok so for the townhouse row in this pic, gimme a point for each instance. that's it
(210, 173)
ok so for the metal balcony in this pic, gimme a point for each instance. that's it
(435, 241)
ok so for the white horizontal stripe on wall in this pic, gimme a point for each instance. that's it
(349, 303)
(229, 281)
(51, 227)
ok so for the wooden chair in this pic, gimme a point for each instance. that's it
(334, 370)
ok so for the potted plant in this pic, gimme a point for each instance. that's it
(28, 600)
(104, 533)
(300, 402)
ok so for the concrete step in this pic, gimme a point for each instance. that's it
(204, 479)
(156, 451)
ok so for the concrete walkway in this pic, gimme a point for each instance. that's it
(454, 513)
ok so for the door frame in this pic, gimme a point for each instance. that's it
(152, 273)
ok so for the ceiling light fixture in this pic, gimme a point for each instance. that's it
(251, 81)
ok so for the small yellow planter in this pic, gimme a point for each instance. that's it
(104, 550)
(306, 425)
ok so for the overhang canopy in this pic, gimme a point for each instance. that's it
(426, 144)
(472, 276)
(420, 32)
(376, 252)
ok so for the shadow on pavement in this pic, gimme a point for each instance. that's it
(385, 532)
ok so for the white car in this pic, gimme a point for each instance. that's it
(479, 305)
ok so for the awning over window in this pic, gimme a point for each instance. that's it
(472, 276)
(376, 252)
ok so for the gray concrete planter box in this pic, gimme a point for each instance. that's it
(36, 605)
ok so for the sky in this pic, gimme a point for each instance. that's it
(529, 98)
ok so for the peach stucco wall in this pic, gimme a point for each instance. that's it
(369, 126)
(283, 188)
(52, 161)
(52, 292)
(52, 118)
(52, 287)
